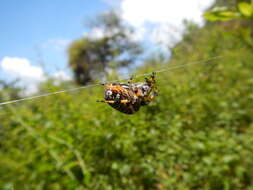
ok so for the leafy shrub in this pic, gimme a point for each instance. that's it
(196, 135)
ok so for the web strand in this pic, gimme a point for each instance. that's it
(114, 81)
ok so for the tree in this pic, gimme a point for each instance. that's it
(91, 57)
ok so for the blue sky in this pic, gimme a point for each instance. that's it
(28, 28)
(39, 31)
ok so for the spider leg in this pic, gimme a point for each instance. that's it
(149, 98)
(155, 91)
(107, 101)
(113, 101)
(153, 76)
(130, 80)
(124, 101)
(151, 79)
(151, 82)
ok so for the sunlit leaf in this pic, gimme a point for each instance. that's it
(246, 9)
(221, 15)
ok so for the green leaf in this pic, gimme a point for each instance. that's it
(221, 15)
(246, 9)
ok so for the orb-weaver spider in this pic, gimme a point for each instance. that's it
(128, 98)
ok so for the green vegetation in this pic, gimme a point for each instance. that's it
(242, 10)
(9, 90)
(198, 134)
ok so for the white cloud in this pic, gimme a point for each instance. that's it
(58, 44)
(29, 75)
(21, 68)
(139, 34)
(61, 76)
(163, 19)
(114, 3)
(167, 34)
(138, 12)
(96, 33)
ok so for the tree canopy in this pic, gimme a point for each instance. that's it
(91, 57)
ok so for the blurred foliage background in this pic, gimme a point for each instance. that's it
(198, 134)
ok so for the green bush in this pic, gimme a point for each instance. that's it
(198, 134)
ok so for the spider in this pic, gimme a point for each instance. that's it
(128, 98)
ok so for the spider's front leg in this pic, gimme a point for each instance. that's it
(106, 101)
(152, 84)
(151, 80)
(114, 101)
(153, 76)
(130, 80)
(149, 98)
(155, 90)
